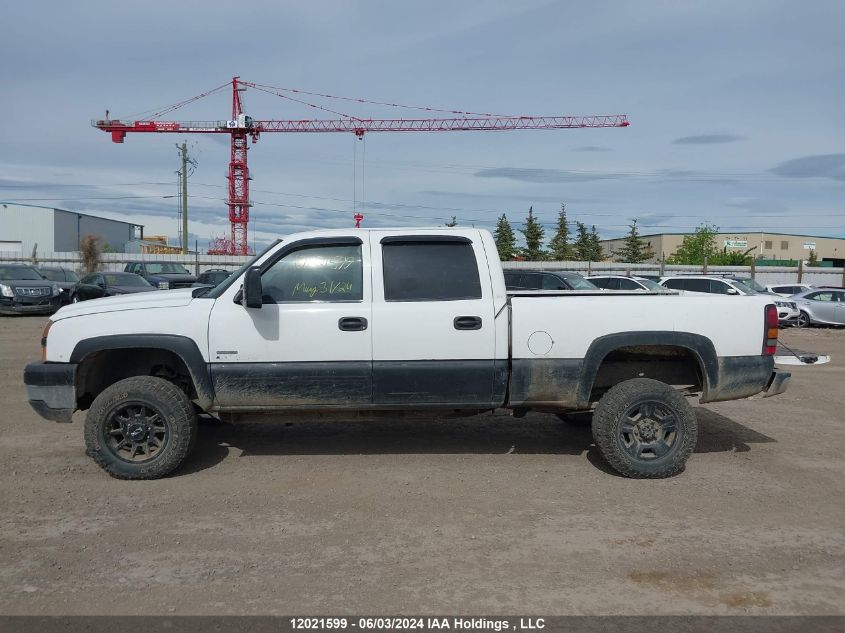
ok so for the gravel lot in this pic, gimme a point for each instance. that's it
(485, 515)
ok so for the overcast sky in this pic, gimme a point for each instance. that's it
(736, 111)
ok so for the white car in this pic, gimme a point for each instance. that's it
(703, 284)
(787, 290)
(366, 322)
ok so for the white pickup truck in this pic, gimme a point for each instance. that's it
(363, 322)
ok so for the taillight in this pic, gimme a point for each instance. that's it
(44, 340)
(770, 339)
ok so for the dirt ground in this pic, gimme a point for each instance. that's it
(485, 515)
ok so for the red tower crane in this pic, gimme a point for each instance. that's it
(240, 127)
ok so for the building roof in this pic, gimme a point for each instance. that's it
(87, 215)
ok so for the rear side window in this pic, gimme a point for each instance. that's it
(697, 285)
(430, 271)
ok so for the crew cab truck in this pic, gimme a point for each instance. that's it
(389, 321)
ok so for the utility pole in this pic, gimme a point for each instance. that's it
(184, 151)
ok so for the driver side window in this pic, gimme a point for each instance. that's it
(315, 273)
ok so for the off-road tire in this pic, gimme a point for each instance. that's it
(610, 421)
(175, 411)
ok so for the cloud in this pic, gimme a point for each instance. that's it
(818, 166)
(591, 148)
(708, 139)
(757, 205)
(544, 175)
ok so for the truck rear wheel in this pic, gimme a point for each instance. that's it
(140, 428)
(645, 429)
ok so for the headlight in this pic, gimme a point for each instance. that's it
(56, 290)
(6, 291)
(163, 285)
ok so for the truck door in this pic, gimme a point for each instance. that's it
(310, 343)
(434, 339)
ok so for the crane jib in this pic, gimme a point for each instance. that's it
(241, 126)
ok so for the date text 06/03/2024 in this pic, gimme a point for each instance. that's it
(418, 624)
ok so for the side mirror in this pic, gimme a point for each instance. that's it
(251, 292)
(733, 291)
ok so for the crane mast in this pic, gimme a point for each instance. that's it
(242, 128)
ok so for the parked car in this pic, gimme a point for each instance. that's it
(211, 278)
(163, 275)
(820, 307)
(787, 290)
(624, 282)
(407, 320)
(64, 278)
(98, 285)
(24, 291)
(787, 309)
(701, 284)
(545, 280)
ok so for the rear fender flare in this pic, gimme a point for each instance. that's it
(701, 347)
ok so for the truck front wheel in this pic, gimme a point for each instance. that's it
(140, 428)
(645, 429)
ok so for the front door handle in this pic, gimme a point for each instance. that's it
(467, 323)
(352, 324)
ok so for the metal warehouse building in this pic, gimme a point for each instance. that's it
(772, 246)
(23, 226)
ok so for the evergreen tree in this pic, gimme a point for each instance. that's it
(596, 252)
(697, 246)
(534, 233)
(635, 249)
(561, 249)
(813, 259)
(582, 246)
(452, 222)
(505, 239)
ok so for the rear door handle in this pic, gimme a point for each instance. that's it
(467, 323)
(352, 324)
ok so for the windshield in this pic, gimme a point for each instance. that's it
(743, 286)
(221, 288)
(19, 272)
(579, 283)
(747, 281)
(167, 268)
(648, 283)
(130, 281)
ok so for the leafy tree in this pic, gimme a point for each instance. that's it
(635, 248)
(561, 249)
(452, 222)
(732, 258)
(697, 246)
(813, 259)
(505, 239)
(534, 233)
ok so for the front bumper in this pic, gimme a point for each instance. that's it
(51, 388)
(778, 383)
